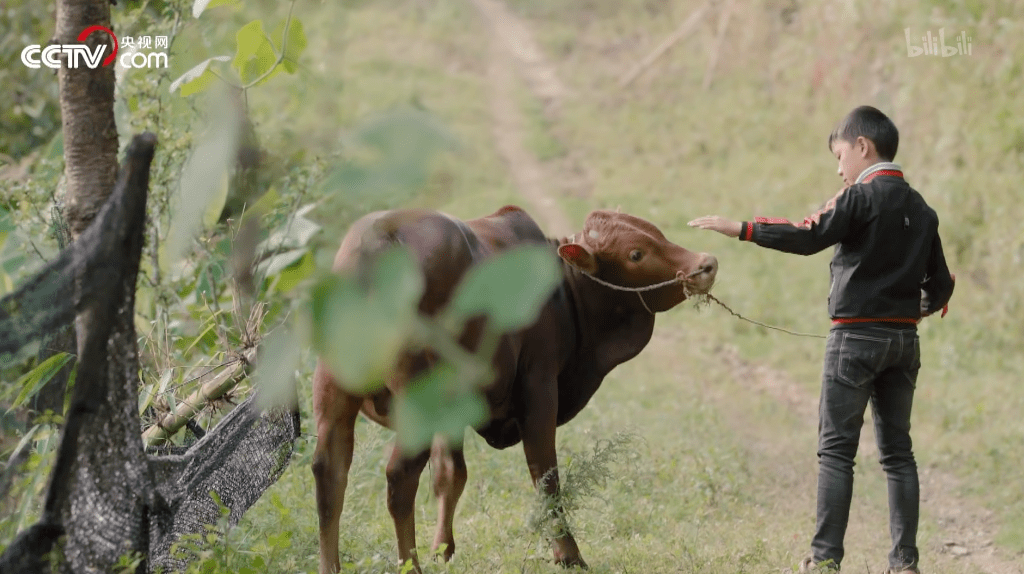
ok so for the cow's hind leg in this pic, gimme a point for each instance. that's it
(403, 474)
(335, 412)
(450, 475)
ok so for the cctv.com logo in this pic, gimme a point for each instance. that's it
(36, 56)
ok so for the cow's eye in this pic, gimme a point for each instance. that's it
(636, 255)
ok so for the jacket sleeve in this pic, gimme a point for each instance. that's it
(825, 228)
(937, 287)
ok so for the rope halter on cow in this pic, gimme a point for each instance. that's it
(639, 290)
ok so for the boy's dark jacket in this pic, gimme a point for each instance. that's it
(888, 262)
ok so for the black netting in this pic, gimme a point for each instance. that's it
(239, 459)
(105, 493)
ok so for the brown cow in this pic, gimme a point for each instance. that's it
(545, 374)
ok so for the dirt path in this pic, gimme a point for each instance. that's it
(512, 47)
(967, 529)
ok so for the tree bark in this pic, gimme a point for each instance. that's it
(87, 113)
(90, 138)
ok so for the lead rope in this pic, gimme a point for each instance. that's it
(708, 296)
(735, 314)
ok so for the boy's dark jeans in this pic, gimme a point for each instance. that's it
(867, 362)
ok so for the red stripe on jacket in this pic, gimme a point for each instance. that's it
(902, 320)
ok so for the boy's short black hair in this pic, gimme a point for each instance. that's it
(871, 123)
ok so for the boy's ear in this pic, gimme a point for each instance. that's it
(579, 257)
(865, 147)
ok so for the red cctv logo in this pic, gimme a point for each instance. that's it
(85, 34)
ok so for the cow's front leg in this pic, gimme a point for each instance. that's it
(538, 433)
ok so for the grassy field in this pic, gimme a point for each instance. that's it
(723, 472)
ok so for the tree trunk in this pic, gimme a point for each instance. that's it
(90, 142)
(87, 112)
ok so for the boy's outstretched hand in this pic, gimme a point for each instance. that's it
(719, 224)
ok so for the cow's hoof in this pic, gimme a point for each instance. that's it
(444, 551)
(571, 562)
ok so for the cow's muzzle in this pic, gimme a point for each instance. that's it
(702, 277)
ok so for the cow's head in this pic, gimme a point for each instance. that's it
(630, 252)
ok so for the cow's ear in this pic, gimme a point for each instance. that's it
(579, 257)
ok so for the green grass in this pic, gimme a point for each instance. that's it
(723, 479)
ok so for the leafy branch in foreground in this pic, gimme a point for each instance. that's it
(258, 57)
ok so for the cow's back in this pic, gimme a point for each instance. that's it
(443, 246)
(439, 244)
(506, 228)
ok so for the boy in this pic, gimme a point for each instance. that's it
(888, 271)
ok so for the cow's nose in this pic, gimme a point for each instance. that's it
(703, 277)
(708, 264)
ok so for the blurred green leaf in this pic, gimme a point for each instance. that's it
(215, 206)
(292, 276)
(277, 263)
(248, 40)
(296, 44)
(6, 225)
(431, 405)
(511, 287)
(146, 396)
(278, 360)
(207, 336)
(72, 377)
(208, 282)
(29, 436)
(200, 6)
(150, 392)
(224, 510)
(31, 382)
(359, 331)
(390, 154)
(201, 181)
(296, 233)
(407, 567)
(275, 500)
(198, 78)
(255, 54)
(280, 540)
(14, 261)
(265, 204)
